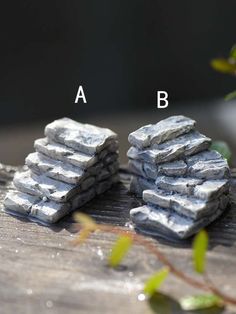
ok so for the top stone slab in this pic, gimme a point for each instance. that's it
(85, 138)
(162, 131)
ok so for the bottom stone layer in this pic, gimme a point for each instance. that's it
(158, 221)
(49, 211)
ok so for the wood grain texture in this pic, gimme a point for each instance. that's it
(41, 272)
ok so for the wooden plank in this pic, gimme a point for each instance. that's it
(42, 273)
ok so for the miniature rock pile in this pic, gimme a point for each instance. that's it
(71, 165)
(184, 184)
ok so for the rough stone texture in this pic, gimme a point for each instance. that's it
(162, 131)
(180, 184)
(33, 207)
(43, 186)
(71, 166)
(151, 171)
(184, 184)
(69, 155)
(184, 145)
(85, 138)
(208, 165)
(157, 221)
(211, 189)
(49, 211)
(183, 204)
(174, 168)
(55, 169)
(63, 153)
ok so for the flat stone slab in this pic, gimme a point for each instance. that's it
(69, 155)
(154, 220)
(178, 184)
(55, 169)
(208, 165)
(207, 190)
(184, 205)
(151, 171)
(160, 132)
(49, 211)
(43, 186)
(174, 168)
(34, 207)
(85, 138)
(211, 189)
(63, 153)
(177, 148)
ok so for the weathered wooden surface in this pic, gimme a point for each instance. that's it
(42, 273)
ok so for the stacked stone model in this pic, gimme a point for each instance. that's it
(71, 165)
(184, 184)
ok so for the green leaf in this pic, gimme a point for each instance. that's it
(222, 148)
(200, 302)
(85, 220)
(119, 250)
(230, 96)
(233, 52)
(200, 245)
(223, 66)
(154, 282)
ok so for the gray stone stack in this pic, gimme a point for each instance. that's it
(71, 165)
(184, 184)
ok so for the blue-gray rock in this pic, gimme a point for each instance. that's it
(33, 207)
(85, 138)
(185, 185)
(176, 148)
(162, 131)
(185, 205)
(208, 165)
(178, 184)
(157, 221)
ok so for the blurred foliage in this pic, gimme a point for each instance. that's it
(119, 250)
(200, 302)
(226, 66)
(200, 245)
(222, 148)
(153, 283)
(151, 287)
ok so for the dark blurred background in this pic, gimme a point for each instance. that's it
(122, 52)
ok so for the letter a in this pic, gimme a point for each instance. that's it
(162, 98)
(80, 94)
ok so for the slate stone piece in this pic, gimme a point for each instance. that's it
(211, 189)
(34, 207)
(85, 138)
(174, 168)
(208, 165)
(63, 153)
(43, 186)
(183, 204)
(73, 164)
(184, 184)
(157, 221)
(55, 169)
(150, 171)
(178, 184)
(49, 211)
(176, 148)
(162, 131)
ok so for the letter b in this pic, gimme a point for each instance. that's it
(162, 96)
